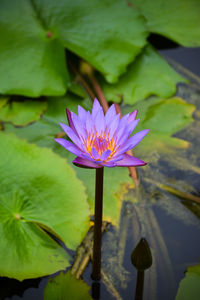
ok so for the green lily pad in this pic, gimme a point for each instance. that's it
(56, 111)
(189, 287)
(94, 30)
(39, 190)
(22, 113)
(149, 75)
(32, 58)
(164, 117)
(3, 101)
(65, 287)
(178, 20)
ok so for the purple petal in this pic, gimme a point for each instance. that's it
(132, 141)
(122, 126)
(116, 158)
(132, 116)
(94, 153)
(113, 126)
(69, 146)
(105, 155)
(108, 164)
(122, 136)
(89, 125)
(96, 107)
(71, 124)
(124, 121)
(82, 114)
(80, 128)
(84, 163)
(68, 130)
(130, 161)
(110, 114)
(132, 125)
(100, 122)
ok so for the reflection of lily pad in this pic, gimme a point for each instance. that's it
(22, 113)
(164, 118)
(148, 75)
(178, 20)
(66, 287)
(189, 287)
(45, 194)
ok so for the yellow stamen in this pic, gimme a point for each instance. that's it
(101, 143)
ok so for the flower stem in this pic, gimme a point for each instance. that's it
(99, 92)
(139, 285)
(96, 266)
(83, 82)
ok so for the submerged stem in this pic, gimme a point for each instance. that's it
(96, 266)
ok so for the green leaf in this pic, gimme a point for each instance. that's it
(3, 101)
(149, 75)
(164, 117)
(65, 287)
(22, 113)
(178, 20)
(108, 33)
(32, 59)
(39, 190)
(56, 111)
(189, 287)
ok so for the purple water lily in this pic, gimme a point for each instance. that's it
(102, 140)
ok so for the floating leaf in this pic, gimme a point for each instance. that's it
(178, 20)
(3, 101)
(149, 75)
(65, 287)
(22, 113)
(164, 117)
(56, 111)
(95, 31)
(32, 59)
(39, 190)
(189, 287)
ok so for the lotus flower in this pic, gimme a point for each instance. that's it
(102, 140)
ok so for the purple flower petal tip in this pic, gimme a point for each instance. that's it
(100, 140)
(133, 116)
(130, 161)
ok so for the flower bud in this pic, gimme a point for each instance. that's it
(141, 256)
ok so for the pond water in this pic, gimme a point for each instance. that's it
(170, 225)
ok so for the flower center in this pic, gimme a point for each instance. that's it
(101, 144)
